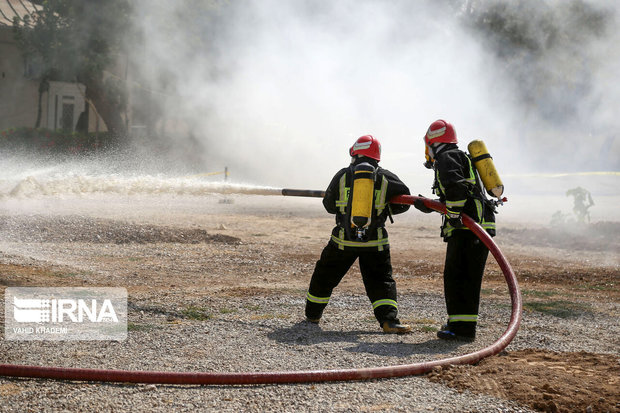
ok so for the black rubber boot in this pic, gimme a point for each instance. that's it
(314, 312)
(458, 331)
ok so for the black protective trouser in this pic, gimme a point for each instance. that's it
(376, 269)
(466, 258)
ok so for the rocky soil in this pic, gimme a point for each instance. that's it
(217, 284)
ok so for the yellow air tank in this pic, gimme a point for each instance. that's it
(363, 193)
(483, 162)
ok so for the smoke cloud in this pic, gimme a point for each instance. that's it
(278, 91)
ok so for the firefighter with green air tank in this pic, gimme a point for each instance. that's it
(458, 184)
(359, 197)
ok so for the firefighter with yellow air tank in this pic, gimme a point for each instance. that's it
(458, 184)
(358, 195)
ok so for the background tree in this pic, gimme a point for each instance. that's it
(77, 40)
(547, 48)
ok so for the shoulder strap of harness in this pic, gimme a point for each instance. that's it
(380, 203)
(343, 198)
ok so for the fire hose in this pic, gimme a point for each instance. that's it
(211, 378)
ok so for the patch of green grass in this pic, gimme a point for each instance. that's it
(262, 317)
(139, 327)
(423, 324)
(196, 313)
(537, 293)
(558, 308)
(227, 310)
(606, 287)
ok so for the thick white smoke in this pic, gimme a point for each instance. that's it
(297, 82)
(278, 91)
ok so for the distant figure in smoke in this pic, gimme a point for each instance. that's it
(458, 186)
(358, 195)
(579, 207)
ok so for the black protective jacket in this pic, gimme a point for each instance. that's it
(337, 201)
(458, 185)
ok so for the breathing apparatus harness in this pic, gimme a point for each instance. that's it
(479, 189)
(361, 216)
(486, 173)
(474, 190)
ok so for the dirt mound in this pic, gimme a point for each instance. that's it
(40, 228)
(545, 381)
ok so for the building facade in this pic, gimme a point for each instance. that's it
(62, 105)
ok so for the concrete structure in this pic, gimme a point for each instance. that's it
(18, 89)
(61, 105)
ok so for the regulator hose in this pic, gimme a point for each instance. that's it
(207, 378)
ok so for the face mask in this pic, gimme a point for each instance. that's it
(428, 154)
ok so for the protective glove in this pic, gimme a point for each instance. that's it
(420, 206)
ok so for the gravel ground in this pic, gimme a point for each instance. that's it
(250, 334)
(209, 290)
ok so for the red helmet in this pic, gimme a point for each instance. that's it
(440, 131)
(368, 146)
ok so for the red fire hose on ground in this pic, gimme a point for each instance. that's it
(170, 377)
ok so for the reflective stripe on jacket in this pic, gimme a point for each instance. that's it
(336, 201)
